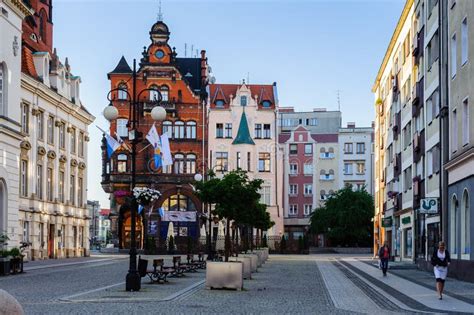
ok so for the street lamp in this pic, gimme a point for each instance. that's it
(111, 113)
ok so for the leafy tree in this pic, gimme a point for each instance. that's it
(345, 218)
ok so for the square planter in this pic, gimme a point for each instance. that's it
(259, 258)
(224, 275)
(4, 266)
(247, 264)
(253, 261)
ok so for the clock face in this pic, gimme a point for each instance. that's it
(159, 54)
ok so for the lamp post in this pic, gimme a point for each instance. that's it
(158, 113)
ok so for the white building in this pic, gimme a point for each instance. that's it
(12, 14)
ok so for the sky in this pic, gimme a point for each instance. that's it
(311, 48)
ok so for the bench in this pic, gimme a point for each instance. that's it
(158, 273)
(180, 267)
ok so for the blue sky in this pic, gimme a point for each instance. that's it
(311, 49)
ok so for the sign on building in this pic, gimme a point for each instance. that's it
(429, 206)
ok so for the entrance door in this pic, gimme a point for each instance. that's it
(51, 241)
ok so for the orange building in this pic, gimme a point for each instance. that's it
(182, 83)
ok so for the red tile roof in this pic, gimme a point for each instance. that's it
(223, 92)
(27, 64)
(325, 138)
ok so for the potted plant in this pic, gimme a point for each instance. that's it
(4, 255)
(16, 261)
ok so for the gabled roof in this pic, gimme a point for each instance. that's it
(122, 67)
(27, 63)
(264, 92)
(190, 69)
(243, 134)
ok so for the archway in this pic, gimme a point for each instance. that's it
(125, 226)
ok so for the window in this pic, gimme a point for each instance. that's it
(249, 164)
(191, 130)
(26, 231)
(191, 163)
(453, 56)
(308, 169)
(81, 144)
(73, 140)
(179, 163)
(25, 117)
(308, 209)
(80, 200)
(433, 160)
(407, 135)
(154, 93)
(219, 130)
(72, 191)
(39, 181)
(293, 210)
(465, 122)
(42, 26)
(432, 50)
(293, 169)
(62, 178)
(308, 149)
(122, 163)
(243, 101)
(164, 93)
(220, 103)
(179, 129)
(431, 5)
(266, 104)
(408, 179)
(39, 125)
(453, 222)
(228, 130)
(41, 233)
(464, 42)
(360, 167)
(360, 148)
(293, 149)
(348, 168)
(62, 135)
(308, 189)
(222, 161)
(258, 131)
(348, 148)
(122, 129)
(2, 91)
(122, 92)
(265, 195)
(267, 134)
(239, 160)
(51, 129)
(312, 122)
(323, 195)
(465, 229)
(432, 106)
(24, 178)
(293, 189)
(454, 131)
(167, 128)
(264, 162)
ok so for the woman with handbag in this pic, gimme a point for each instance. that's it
(440, 261)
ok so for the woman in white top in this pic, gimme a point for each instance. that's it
(440, 260)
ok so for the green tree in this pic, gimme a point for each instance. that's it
(345, 218)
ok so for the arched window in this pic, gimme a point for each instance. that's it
(191, 130)
(266, 104)
(219, 103)
(179, 163)
(42, 25)
(465, 221)
(122, 130)
(164, 93)
(453, 225)
(122, 92)
(322, 150)
(2, 90)
(322, 172)
(168, 128)
(243, 100)
(179, 129)
(331, 172)
(154, 93)
(331, 150)
(191, 164)
(122, 163)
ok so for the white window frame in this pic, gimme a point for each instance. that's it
(293, 169)
(122, 130)
(293, 209)
(308, 169)
(24, 178)
(465, 121)
(308, 189)
(454, 130)
(293, 189)
(464, 41)
(454, 51)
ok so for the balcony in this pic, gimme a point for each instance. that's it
(170, 106)
(417, 96)
(397, 121)
(418, 146)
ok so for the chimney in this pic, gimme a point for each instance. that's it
(351, 125)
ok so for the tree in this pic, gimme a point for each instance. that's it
(345, 218)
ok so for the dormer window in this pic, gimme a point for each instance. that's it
(219, 103)
(266, 104)
(243, 100)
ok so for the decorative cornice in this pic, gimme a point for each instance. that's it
(41, 150)
(25, 145)
(73, 162)
(20, 8)
(82, 165)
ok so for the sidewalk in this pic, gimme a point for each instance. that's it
(411, 291)
(50, 263)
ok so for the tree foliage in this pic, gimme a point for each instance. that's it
(345, 218)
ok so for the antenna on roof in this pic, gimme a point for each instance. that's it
(185, 49)
(192, 51)
(160, 14)
(197, 53)
(338, 100)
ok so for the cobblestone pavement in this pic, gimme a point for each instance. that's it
(314, 284)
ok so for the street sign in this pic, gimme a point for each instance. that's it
(429, 206)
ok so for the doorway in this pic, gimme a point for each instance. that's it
(51, 241)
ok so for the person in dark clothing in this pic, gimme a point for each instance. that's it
(440, 261)
(384, 256)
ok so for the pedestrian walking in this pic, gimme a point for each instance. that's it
(384, 256)
(440, 261)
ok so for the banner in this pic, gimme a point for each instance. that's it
(179, 216)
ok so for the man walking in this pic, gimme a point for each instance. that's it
(384, 256)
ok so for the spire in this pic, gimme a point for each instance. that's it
(122, 67)
(243, 134)
(160, 14)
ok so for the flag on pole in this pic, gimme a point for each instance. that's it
(112, 144)
(166, 152)
(161, 211)
(122, 143)
(154, 140)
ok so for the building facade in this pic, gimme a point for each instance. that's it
(356, 157)
(12, 14)
(182, 83)
(53, 151)
(310, 149)
(460, 168)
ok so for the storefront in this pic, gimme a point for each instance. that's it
(407, 239)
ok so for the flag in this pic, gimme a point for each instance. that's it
(165, 146)
(122, 143)
(112, 144)
(140, 209)
(154, 140)
(161, 211)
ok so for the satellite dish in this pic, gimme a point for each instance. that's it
(212, 80)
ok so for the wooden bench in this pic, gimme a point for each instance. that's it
(180, 268)
(158, 273)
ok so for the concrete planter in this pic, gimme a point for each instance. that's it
(247, 265)
(253, 261)
(259, 258)
(4, 266)
(224, 275)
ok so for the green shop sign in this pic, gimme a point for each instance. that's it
(406, 220)
(387, 222)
